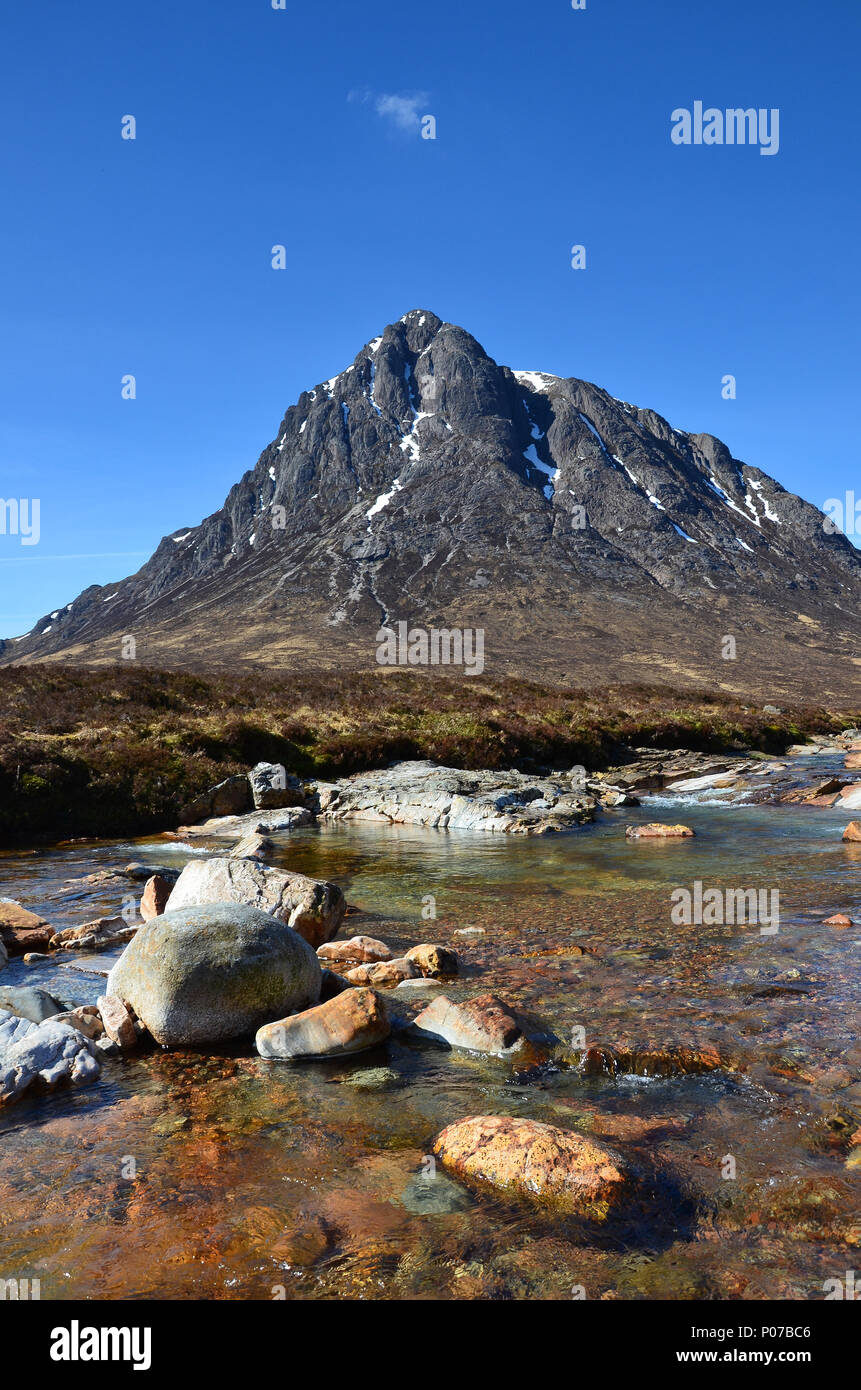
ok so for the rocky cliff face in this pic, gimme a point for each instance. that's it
(425, 483)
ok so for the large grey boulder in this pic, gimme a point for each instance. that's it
(42, 1055)
(200, 974)
(314, 909)
(272, 786)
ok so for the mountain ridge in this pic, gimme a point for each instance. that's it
(428, 483)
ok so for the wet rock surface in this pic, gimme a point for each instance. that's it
(539, 1161)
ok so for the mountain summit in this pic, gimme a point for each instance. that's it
(425, 483)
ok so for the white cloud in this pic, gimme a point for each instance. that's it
(403, 111)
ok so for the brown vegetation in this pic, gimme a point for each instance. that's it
(110, 751)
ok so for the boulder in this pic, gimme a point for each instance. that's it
(273, 787)
(484, 1024)
(314, 909)
(118, 1022)
(21, 930)
(538, 1161)
(351, 1022)
(155, 895)
(382, 972)
(433, 961)
(840, 919)
(853, 831)
(27, 1002)
(205, 973)
(231, 797)
(656, 831)
(42, 1055)
(360, 949)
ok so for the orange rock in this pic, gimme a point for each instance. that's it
(839, 919)
(657, 831)
(537, 1160)
(853, 830)
(351, 1022)
(21, 930)
(155, 895)
(433, 961)
(384, 972)
(363, 950)
(852, 761)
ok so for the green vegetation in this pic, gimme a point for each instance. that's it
(119, 750)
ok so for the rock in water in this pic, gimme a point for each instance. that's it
(205, 973)
(383, 972)
(314, 909)
(155, 895)
(360, 949)
(483, 1024)
(433, 961)
(253, 846)
(27, 1002)
(351, 1022)
(21, 930)
(656, 831)
(853, 830)
(537, 1160)
(43, 1055)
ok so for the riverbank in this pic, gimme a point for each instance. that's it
(121, 750)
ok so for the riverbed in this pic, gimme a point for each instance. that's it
(180, 1175)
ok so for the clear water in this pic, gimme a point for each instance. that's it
(190, 1176)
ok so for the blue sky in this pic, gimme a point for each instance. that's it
(258, 126)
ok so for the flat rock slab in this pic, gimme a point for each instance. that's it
(446, 798)
(538, 1161)
(657, 831)
(101, 964)
(258, 822)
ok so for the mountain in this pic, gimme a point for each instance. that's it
(425, 483)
